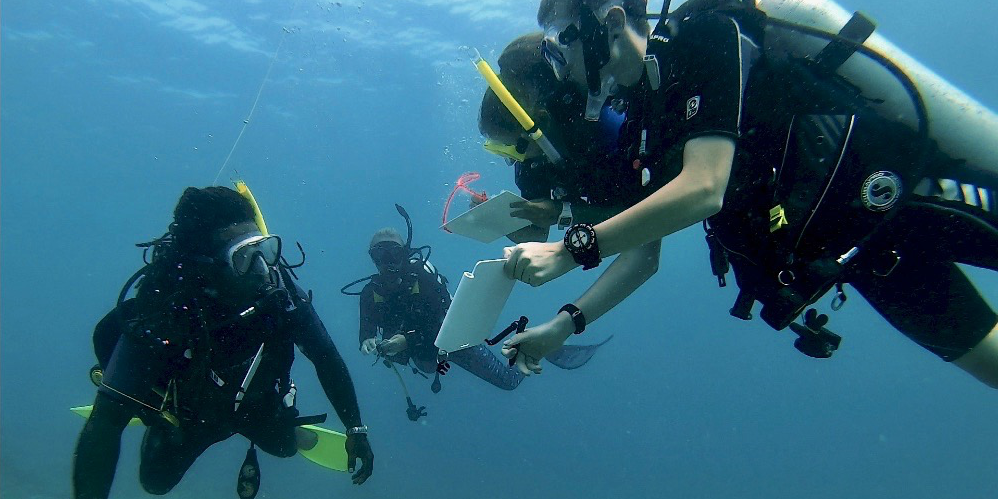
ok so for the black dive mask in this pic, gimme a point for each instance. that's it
(388, 254)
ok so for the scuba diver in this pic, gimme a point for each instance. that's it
(590, 186)
(403, 306)
(204, 351)
(791, 160)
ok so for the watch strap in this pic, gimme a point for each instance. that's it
(577, 317)
(565, 219)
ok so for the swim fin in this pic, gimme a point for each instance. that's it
(330, 449)
(248, 483)
(85, 410)
(329, 452)
(574, 356)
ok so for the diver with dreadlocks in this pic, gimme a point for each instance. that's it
(204, 351)
(403, 306)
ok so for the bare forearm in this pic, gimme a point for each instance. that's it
(625, 275)
(694, 195)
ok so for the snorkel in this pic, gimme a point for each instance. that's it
(531, 129)
(595, 54)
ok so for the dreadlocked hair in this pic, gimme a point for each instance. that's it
(178, 257)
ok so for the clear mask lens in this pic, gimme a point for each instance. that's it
(244, 255)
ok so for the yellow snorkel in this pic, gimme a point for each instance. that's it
(514, 107)
(245, 192)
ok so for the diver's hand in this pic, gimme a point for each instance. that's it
(530, 346)
(537, 263)
(540, 212)
(394, 345)
(369, 346)
(358, 448)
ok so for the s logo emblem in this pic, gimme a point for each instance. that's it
(881, 191)
(692, 106)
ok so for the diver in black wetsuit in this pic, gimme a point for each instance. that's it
(403, 307)
(204, 351)
(406, 302)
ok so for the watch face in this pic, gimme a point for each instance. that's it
(580, 238)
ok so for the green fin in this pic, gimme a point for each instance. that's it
(84, 412)
(330, 451)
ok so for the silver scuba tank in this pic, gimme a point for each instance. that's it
(962, 128)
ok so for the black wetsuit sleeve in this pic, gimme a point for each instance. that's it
(368, 321)
(313, 341)
(109, 329)
(713, 62)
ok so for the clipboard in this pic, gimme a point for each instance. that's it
(488, 221)
(480, 297)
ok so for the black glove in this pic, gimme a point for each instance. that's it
(358, 448)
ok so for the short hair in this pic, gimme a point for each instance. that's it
(636, 10)
(386, 234)
(527, 76)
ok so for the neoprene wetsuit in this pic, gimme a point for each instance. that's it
(414, 305)
(206, 412)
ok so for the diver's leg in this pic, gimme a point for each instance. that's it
(936, 305)
(96, 456)
(274, 432)
(481, 362)
(168, 452)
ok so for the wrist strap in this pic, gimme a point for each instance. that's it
(576, 315)
(357, 430)
(565, 219)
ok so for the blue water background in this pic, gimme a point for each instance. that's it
(110, 108)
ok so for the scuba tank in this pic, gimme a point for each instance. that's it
(962, 128)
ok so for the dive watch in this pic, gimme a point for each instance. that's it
(580, 241)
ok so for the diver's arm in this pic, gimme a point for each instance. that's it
(313, 341)
(626, 274)
(368, 326)
(594, 214)
(96, 455)
(694, 195)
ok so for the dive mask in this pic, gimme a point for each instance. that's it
(595, 47)
(241, 256)
(387, 253)
(513, 152)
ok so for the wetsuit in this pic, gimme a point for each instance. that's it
(716, 82)
(594, 173)
(206, 395)
(415, 306)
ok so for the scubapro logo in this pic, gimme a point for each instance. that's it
(881, 191)
(692, 106)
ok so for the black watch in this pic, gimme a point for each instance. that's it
(580, 241)
(577, 317)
